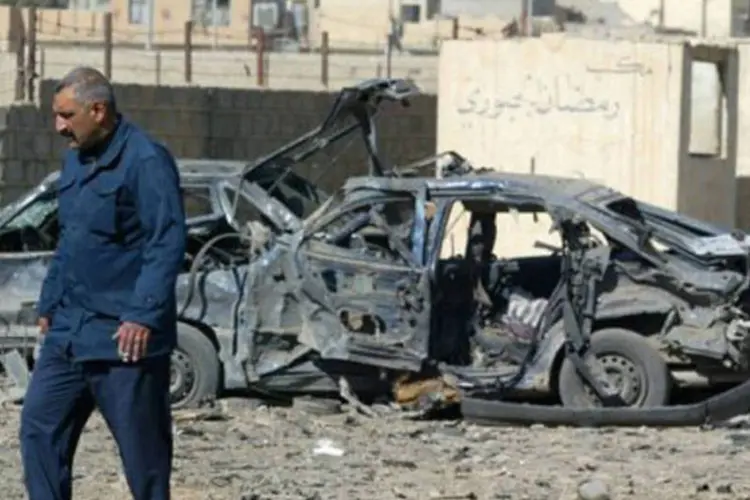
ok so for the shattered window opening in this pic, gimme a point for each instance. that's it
(34, 229)
(356, 228)
(295, 191)
(197, 201)
(245, 211)
(519, 228)
(35, 215)
(628, 209)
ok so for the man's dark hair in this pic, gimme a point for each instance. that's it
(89, 85)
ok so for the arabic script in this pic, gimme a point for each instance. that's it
(561, 95)
(624, 65)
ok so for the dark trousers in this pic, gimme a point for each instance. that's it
(134, 401)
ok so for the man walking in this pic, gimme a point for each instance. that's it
(107, 306)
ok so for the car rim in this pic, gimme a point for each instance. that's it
(627, 378)
(182, 376)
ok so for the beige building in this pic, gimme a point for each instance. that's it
(366, 23)
(130, 23)
(709, 18)
(655, 119)
(363, 24)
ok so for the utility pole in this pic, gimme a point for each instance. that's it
(529, 10)
(661, 14)
(215, 22)
(150, 24)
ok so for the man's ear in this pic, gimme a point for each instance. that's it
(99, 111)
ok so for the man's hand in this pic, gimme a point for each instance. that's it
(132, 341)
(43, 324)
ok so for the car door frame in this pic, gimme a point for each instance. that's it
(407, 304)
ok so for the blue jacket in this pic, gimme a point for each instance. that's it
(121, 247)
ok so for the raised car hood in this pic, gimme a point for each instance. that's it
(290, 198)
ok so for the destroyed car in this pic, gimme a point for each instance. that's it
(632, 303)
(656, 297)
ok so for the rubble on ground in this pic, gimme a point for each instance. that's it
(243, 449)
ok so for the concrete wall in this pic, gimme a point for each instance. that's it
(237, 69)
(708, 131)
(7, 77)
(214, 123)
(228, 69)
(617, 112)
(743, 145)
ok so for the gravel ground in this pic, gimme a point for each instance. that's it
(242, 450)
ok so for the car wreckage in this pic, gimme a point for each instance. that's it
(289, 291)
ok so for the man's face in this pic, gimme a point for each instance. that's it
(80, 123)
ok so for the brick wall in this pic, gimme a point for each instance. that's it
(213, 123)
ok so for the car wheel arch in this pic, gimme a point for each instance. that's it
(636, 322)
(205, 329)
(197, 357)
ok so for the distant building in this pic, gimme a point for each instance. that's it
(713, 18)
(367, 24)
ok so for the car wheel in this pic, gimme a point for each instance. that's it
(637, 370)
(194, 371)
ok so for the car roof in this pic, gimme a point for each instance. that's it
(192, 170)
(517, 183)
(204, 168)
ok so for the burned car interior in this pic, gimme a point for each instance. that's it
(517, 298)
(496, 303)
